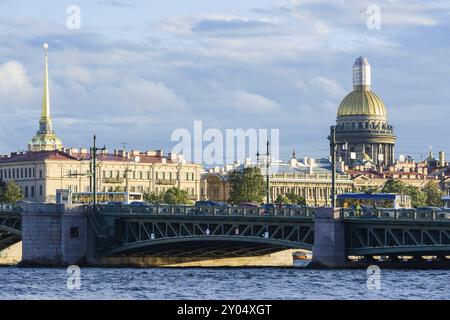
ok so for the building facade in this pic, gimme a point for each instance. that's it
(39, 174)
(362, 129)
(309, 178)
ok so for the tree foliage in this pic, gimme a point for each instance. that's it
(246, 185)
(430, 195)
(10, 192)
(176, 196)
(171, 196)
(154, 198)
(433, 194)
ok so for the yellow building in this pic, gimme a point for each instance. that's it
(47, 166)
(39, 174)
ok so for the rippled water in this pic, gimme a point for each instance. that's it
(232, 283)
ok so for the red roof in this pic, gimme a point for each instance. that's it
(62, 156)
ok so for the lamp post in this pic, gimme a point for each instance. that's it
(94, 150)
(267, 174)
(333, 165)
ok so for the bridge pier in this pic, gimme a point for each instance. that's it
(329, 239)
(53, 235)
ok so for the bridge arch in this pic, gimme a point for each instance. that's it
(203, 244)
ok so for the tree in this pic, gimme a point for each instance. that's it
(295, 199)
(10, 192)
(176, 196)
(418, 197)
(394, 186)
(246, 185)
(153, 197)
(282, 199)
(433, 194)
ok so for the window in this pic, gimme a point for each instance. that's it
(74, 232)
(26, 191)
(40, 173)
(21, 172)
(32, 191)
(40, 189)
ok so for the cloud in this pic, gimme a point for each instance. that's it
(114, 3)
(15, 84)
(329, 87)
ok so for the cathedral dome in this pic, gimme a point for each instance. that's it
(362, 102)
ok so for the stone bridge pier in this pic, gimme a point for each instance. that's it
(329, 239)
(53, 235)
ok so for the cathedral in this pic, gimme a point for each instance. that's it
(363, 133)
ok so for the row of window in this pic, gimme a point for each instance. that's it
(18, 173)
(142, 189)
(146, 175)
(28, 191)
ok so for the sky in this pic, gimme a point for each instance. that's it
(135, 71)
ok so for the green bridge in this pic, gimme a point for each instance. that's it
(220, 232)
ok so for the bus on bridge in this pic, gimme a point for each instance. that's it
(378, 200)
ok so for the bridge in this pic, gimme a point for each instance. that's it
(10, 226)
(181, 232)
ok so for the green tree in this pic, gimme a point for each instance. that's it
(433, 194)
(153, 197)
(295, 199)
(176, 196)
(394, 186)
(418, 197)
(10, 192)
(246, 185)
(282, 199)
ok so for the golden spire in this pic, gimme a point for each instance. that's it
(45, 114)
(45, 139)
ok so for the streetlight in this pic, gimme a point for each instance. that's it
(94, 150)
(333, 165)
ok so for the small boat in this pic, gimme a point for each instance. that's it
(301, 255)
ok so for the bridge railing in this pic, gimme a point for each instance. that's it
(207, 210)
(10, 207)
(395, 214)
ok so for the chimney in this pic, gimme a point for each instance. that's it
(441, 159)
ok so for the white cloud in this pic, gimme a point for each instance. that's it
(330, 87)
(15, 84)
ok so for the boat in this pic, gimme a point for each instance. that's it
(302, 255)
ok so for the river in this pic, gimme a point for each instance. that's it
(222, 283)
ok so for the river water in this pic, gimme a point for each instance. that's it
(226, 283)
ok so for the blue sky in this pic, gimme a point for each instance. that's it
(137, 70)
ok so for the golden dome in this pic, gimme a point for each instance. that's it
(362, 102)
